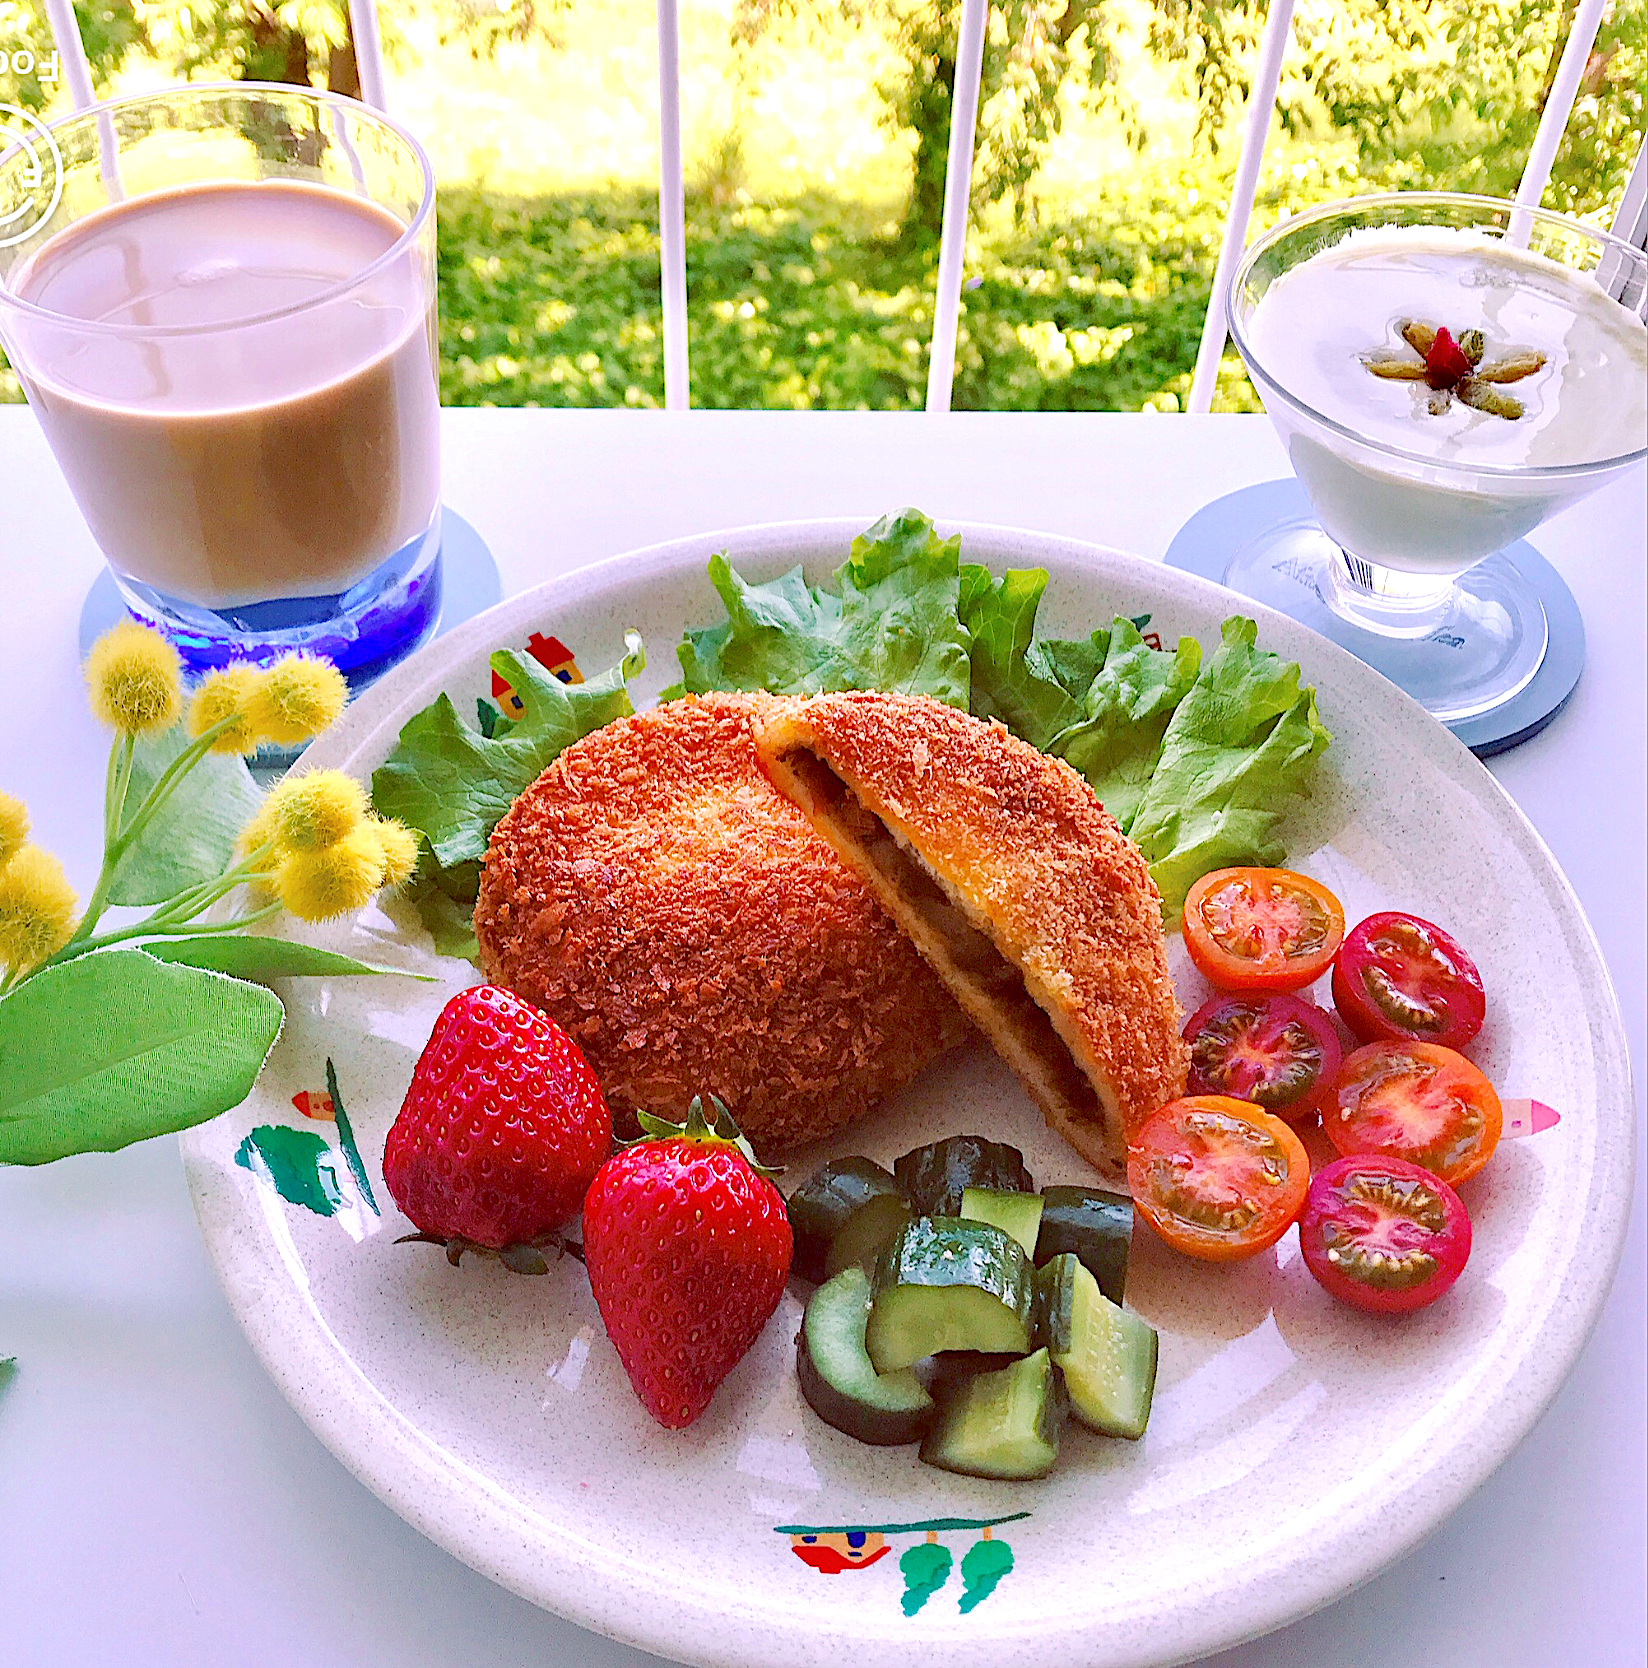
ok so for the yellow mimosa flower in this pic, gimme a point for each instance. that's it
(315, 810)
(36, 907)
(400, 849)
(135, 679)
(337, 879)
(296, 699)
(14, 827)
(226, 694)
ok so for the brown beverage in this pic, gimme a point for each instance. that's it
(296, 471)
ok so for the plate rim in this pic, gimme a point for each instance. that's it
(410, 1483)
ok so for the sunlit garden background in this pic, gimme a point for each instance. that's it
(815, 138)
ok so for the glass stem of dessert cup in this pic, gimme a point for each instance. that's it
(1386, 599)
(1460, 644)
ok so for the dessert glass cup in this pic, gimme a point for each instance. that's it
(1401, 566)
(288, 498)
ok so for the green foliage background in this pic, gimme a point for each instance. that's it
(818, 296)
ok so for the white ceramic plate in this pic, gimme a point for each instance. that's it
(1296, 1447)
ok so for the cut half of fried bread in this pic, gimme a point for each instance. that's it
(1017, 887)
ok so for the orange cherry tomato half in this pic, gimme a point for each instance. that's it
(1261, 929)
(1216, 1177)
(1417, 1101)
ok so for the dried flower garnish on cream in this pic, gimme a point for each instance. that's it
(1454, 369)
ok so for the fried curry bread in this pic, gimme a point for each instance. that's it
(1017, 886)
(680, 919)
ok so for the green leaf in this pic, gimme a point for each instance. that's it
(1237, 748)
(1034, 692)
(453, 784)
(1117, 741)
(925, 1568)
(192, 836)
(891, 624)
(116, 1047)
(297, 1162)
(8, 1370)
(984, 1565)
(258, 957)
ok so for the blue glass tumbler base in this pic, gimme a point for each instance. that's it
(363, 631)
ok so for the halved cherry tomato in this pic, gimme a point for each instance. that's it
(1416, 1101)
(1383, 1234)
(1261, 929)
(1400, 976)
(1273, 1049)
(1216, 1177)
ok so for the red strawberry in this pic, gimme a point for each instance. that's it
(501, 1131)
(688, 1248)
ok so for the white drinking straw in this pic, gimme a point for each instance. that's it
(1564, 90)
(672, 214)
(1261, 104)
(363, 25)
(958, 180)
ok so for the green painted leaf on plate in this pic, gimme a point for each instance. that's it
(193, 834)
(116, 1047)
(299, 1164)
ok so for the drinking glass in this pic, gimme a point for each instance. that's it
(1401, 565)
(261, 475)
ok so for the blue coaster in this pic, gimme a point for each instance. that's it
(470, 584)
(1207, 542)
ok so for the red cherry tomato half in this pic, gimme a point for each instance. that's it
(1399, 976)
(1217, 1178)
(1261, 929)
(1383, 1234)
(1416, 1101)
(1274, 1050)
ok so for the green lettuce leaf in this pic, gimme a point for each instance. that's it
(892, 623)
(1117, 742)
(453, 784)
(1237, 748)
(1034, 687)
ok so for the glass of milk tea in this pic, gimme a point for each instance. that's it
(1445, 372)
(226, 326)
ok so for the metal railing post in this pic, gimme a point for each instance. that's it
(1261, 104)
(1553, 119)
(958, 180)
(672, 213)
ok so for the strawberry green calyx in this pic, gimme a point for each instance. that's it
(527, 1257)
(723, 1132)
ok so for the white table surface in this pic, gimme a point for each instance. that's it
(159, 1502)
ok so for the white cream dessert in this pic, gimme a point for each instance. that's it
(1318, 326)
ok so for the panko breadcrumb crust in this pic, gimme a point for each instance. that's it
(1021, 843)
(679, 918)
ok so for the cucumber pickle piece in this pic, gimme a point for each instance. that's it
(945, 1284)
(1106, 1353)
(837, 1377)
(1018, 1215)
(935, 1176)
(847, 1213)
(1004, 1424)
(1097, 1226)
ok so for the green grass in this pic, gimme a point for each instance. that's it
(1088, 295)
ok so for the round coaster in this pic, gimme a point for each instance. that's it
(469, 579)
(1210, 538)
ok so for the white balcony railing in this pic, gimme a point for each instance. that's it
(1631, 222)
